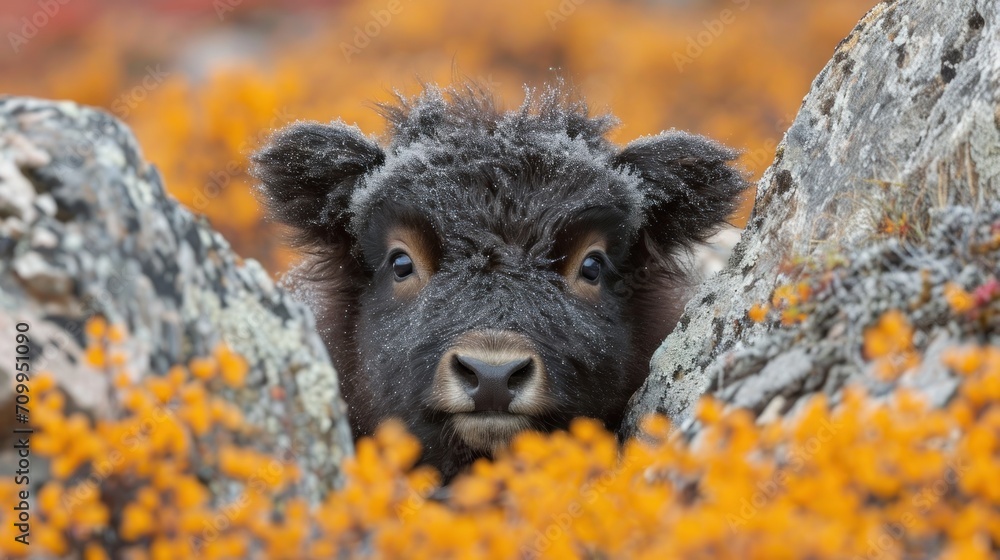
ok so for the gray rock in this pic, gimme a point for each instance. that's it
(904, 121)
(87, 229)
(785, 373)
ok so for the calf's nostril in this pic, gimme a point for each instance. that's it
(465, 374)
(494, 384)
(521, 376)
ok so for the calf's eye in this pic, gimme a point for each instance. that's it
(402, 266)
(590, 270)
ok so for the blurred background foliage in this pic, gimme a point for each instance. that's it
(202, 82)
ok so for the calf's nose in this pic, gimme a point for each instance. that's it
(492, 386)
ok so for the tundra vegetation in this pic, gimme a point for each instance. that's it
(849, 392)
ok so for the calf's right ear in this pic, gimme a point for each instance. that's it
(307, 173)
(689, 183)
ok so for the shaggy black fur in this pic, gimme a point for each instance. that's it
(499, 195)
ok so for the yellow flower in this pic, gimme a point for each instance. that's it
(960, 300)
(96, 328)
(232, 366)
(758, 312)
(95, 356)
(890, 344)
(93, 551)
(203, 368)
(964, 361)
(116, 334)
(137, 522)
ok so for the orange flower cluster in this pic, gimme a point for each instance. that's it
(758, 312)
(788, 300)
(890, 344)
(899, 226)
(958, 299)
(962, 301)
(135, 472)
(891, 480)
(864, 480)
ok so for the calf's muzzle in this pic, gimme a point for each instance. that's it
(490, 371)
(492, 386)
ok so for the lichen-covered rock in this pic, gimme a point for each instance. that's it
(902, 124)
(844, 316)
(87, 230)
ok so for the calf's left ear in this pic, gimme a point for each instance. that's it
(307, 173)
(688, 182)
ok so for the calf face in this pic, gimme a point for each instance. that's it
(488, 272)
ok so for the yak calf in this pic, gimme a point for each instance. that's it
(485, 271)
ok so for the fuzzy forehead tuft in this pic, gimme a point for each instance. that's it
(443, 113)
(458, 148)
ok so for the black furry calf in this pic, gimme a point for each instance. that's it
(486, 272)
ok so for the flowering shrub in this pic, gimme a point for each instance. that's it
(860, 480)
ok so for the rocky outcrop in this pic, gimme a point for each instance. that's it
(882, 192)
(87, 230)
